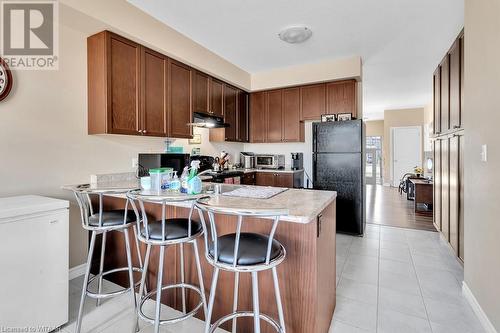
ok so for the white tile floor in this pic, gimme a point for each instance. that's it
(392, 280)
(399, 280)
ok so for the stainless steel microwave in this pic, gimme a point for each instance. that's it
(269, 161)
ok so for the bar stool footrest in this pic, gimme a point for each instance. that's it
(240, 314)
(111, 294)
(172, 320)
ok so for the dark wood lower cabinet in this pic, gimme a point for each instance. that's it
(249, 178)
(305, 276)
(449, 190)
(280, 179)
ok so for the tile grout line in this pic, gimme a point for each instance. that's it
(419, 286)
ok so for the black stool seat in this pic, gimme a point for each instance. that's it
(252, 249)
(112, 218)
(174, 229)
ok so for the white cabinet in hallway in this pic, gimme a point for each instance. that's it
(34, 262)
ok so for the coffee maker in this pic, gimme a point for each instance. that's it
(297, 161)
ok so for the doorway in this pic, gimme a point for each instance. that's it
(373, 160)
(406, 146)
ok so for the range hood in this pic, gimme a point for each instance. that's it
(207, 121)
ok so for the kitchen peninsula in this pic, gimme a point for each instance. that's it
(306, 277)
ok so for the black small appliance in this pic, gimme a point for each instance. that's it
(162, 160)
(297, 161)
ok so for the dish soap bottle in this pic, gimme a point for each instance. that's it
(194, 182)
(175, 184)
(184, 180)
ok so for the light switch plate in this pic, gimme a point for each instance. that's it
(135, 162)
(484, 153)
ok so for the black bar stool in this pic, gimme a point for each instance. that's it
(101, 223)
(242, 252)
(163, 233)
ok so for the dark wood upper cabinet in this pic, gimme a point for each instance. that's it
(258, 117)
(293, 128)
(242, 117)
(230, 116)
(201, 92)
(217, 97)
(313, 101)
(455, 86)
(274, 115)
(154, 93)
(341, 97)
(445, 94)
(437, 101)
(180, 100)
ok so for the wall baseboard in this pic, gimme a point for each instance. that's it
(387, 184)
(77, 271)
(483, 318)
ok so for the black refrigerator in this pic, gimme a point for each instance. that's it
(338, 166)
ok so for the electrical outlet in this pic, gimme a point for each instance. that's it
(135, 162)
(484, 153)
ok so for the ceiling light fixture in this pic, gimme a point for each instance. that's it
(295, 34)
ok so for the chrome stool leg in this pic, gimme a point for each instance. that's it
(130, 270)
(183, 290)
(138, 249)
(255, 299)
(213, 288)
(235, 298)
(101, 266)
(158, 289)
(281, 317)
(85, 281)
(143, 285)
(200, 277)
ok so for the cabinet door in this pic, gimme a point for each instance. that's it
(283, 180)
(437, 184)
(341, 97)
(258, 117)
(154, 93)
(123, 85)
(454, 186)
(201, 92)
(292, 126)
(216, 97)
(437, 101)
(455, 82)
(445, 188)
(180, 100)
(445, 94)
(313, 100)
(230, 103)
(462, 56)
(265, 179)
(248, 179)
(274, 115)
(242, 115)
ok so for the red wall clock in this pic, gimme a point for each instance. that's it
(5, 79)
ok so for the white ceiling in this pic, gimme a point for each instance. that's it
(400, 41)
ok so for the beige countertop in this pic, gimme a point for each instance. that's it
(302, 205)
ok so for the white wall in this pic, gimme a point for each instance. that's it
(287, 148)
(481, 117)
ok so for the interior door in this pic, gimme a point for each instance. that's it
(406, 151)
(371, 166)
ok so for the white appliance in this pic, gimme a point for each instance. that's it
(34, 243)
